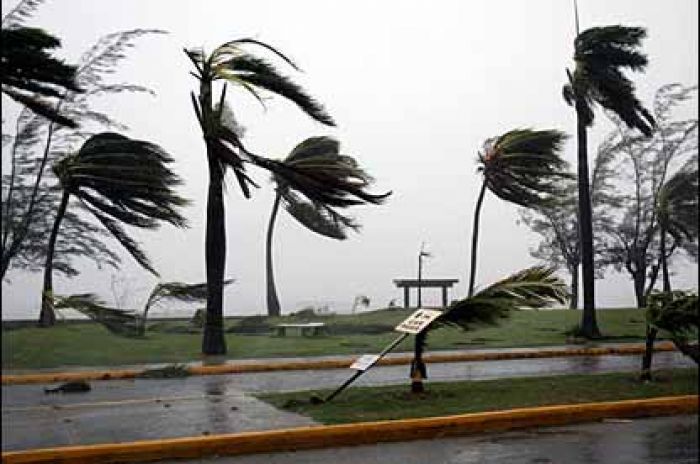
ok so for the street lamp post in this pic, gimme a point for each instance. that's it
(421, 254)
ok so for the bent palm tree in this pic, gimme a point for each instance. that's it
(522, 167)
(231, 62)
(531, 288)
(600, 53)
(677, 215)
(320, 159)
(119, 180)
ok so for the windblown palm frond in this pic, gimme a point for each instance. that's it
(523, 166)
(233, 63)
(30, 75)
(127, 181)
(118, 321)
(677, 313)
(600, 53)
(188, 293)
(677, 206)
(316, 169)
(532, 288)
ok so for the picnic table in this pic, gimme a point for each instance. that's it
(305, 329)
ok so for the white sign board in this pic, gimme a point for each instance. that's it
(418, 321)
(364, 362)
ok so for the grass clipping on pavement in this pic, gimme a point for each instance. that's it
(447, 398)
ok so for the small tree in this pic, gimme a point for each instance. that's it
(120, 181)
(676, 313)
(637, 167)
(531, 288)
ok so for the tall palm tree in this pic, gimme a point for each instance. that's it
(522, 167)
(600, 54)
(231, 62)
(531, 288)
(119, 180)
(320, 158)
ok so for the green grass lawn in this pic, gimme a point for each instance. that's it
(89, 344)
(396, 402)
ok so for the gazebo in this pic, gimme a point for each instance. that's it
(407, 284)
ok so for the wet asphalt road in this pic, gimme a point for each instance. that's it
(659, 440)
(126, 410)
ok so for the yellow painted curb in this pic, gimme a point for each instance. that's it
(341, 363)
(354, 434)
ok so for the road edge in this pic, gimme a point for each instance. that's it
(343, 363)
(293, 439)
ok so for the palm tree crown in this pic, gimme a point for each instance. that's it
(121, 180)
(600, 54)
(316, 169)
(677, 207)
(523, 166)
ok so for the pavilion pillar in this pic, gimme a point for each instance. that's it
(444, 296)
(406, 297)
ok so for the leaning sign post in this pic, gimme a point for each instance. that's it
(413, 324)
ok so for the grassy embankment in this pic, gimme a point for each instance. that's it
(396, 402)
(88, 344)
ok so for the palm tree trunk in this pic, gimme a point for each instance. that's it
(573, 302)
(475, 238)
(589, 326)
(648, 353)
(664, 262)
(213, 340)
(47, 316)
(418, 369)
(273, 303)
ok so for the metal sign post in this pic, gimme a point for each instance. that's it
(414, 324)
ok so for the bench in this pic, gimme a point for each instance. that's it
(305, 329)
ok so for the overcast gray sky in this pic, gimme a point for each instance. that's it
(415, 88)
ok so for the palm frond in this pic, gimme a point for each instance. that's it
(677, 206)
(233, 63)
(600, 53)
(532, 288)
(676, 312)
(523, 166)
(118, 321)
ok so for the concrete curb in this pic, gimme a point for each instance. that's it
(354, 434)
(341, 363)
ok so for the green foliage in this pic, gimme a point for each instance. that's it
(117, 321)
(676, 312)
(523, 166)
(120, 180)
(677, 206)
(600, 54)
(532, 288)
(30, 74)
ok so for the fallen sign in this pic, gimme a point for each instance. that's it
(414, 324)
(418, 321)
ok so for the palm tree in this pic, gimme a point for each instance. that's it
(531, 288)
(232, 63)
(600, 54)
(319, 158)
(677, 215)
(118, 180)
(522, 167)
